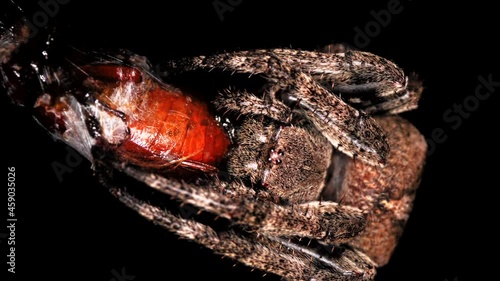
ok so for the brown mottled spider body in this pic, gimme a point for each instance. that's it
(306, 164)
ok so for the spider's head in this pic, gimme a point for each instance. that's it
(290, 162)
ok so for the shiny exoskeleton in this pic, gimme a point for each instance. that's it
(165, 127)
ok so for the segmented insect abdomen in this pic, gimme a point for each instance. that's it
(170, 129)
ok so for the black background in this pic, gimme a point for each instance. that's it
(73, 229)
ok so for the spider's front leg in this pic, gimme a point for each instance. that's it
(366, 81)
(327, 221)
(348, 129)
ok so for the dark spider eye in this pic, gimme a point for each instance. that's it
(275, 156)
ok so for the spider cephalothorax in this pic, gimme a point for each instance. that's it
(279, 158)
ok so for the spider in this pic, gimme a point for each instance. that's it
(307, 195)
(306, 164)
(305, 182)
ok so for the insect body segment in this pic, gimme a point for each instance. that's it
(166, 126)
